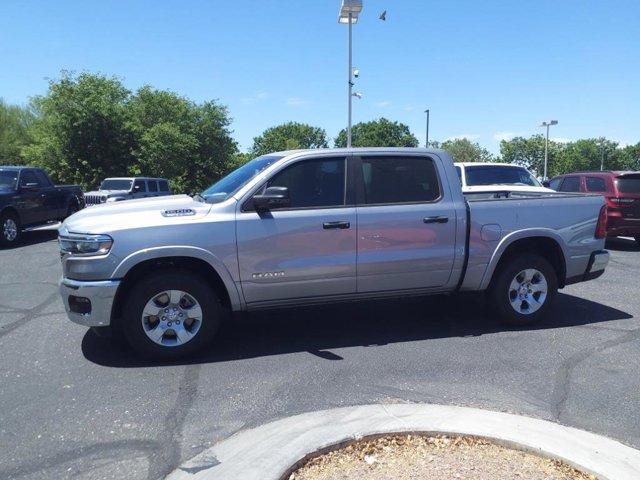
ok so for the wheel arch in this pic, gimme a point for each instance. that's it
(545, 243)
(214, 272)
(11, 210)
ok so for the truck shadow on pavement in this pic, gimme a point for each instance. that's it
(34, 238)
(622, 245)
(318, 330)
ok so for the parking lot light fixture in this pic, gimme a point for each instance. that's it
(546, 145)
(349, 11)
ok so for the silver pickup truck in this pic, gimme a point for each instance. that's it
(312, 226)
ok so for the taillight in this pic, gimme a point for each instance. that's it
(601, 226)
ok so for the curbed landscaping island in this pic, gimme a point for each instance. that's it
(429, 457)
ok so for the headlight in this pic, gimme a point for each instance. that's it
(85, 245)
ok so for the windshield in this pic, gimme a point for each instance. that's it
(115, 184)
(496, 175)
(227, 186)
(8, 180)
(628, 184)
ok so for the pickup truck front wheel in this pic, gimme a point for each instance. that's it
(9, 229)
(524, 289)
(170, 314)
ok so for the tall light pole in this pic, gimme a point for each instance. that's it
(546, 145)
(426, 143)
(349, 11)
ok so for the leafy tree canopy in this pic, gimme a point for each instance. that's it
(289, 136)
(378, 133)
(464, 150)
(15, 134)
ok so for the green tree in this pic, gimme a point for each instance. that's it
(529, 152)
(378, 133)
(175, 138)
(630, 157)
(587, 154)
(464, 150)
(289, 136)
(15, 132)
(81, 135)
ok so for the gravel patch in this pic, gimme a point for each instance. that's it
(421, 457)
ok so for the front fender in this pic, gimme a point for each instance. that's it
(183, 251)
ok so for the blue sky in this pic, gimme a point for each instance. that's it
(486, 69)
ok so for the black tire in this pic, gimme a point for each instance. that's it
(7, 238)
(151, 286)
(501, 294)
(71, 209)
(637, 239)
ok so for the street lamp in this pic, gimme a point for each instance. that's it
(349, 11)
(546, 145)
(427, 136)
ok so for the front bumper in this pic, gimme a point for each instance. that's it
(89, 303)
(595, 268)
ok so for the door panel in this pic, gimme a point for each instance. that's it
(291, 255)
(408, 242)
(307, 249)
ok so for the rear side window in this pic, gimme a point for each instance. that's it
(164, 186)
(555, 183)
(399, 180)
(28, 176)
(628, 184)
(153, 185)
(570, 184)
(595, 184)
(139, 186)
(313, 183)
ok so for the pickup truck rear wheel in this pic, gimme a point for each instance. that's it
(524, 289)
(170, 314)
(10, 230)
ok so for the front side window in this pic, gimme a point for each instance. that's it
(499, 175)
(555, 183)
(399, 180)
(313, 183)
(595, 184)
(8, 180)
(570, 184)
(139, 186)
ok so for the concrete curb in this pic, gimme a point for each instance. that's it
(268, 451)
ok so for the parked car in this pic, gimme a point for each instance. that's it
(483, 177)
(621, 191)
(118, 189)
(28, 199)
(312, 226)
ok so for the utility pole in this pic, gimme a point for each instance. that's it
(427, 136)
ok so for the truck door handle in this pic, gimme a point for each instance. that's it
(437, 219)
(330, 225)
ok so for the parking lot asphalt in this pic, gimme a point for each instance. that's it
(75, 405)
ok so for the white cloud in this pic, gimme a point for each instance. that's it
(254, 98)
(499, 136)
(296, 102)
(384, 103)
(468, 136)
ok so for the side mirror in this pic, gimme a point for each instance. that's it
(273, 197)
(29, 187)
(545, 183)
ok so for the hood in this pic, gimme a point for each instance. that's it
(144, 212)
(108, 193)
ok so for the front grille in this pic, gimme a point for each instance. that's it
(94, 199)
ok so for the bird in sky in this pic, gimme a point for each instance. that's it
(383, 16)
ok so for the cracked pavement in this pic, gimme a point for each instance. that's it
(78, 406)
